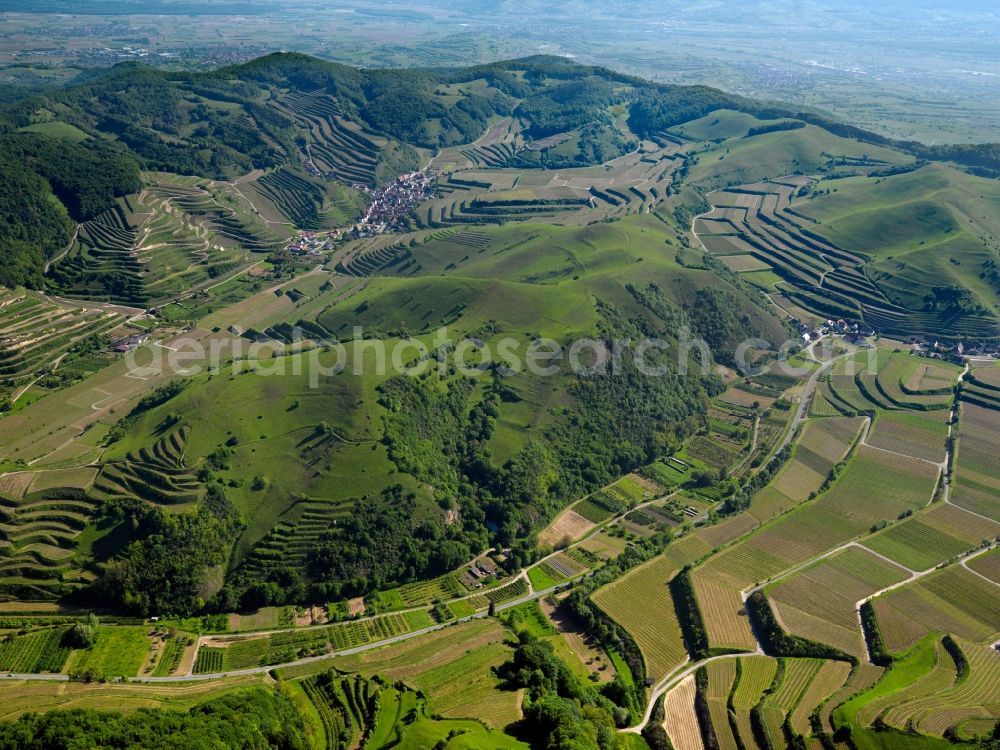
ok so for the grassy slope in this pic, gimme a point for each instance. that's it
(931, 227)
(806, 150)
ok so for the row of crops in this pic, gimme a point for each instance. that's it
(285, 646)
(34, 332)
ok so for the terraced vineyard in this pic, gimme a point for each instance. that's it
(39, 532)
(36, 332)
(636, 183)
(177, 234)
(294, 535)
(102, 264)
(876, 381)
(767, 221)
(304, 201)
(756, 586)
(156, 474)
(941, 687)
(374, 256)
(337, 148)
(347, 706)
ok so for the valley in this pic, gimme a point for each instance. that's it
(270, 414)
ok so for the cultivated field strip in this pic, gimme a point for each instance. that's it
(820, 602)
(640, 602)
(755, 676)
(953, 600)
(35, 332)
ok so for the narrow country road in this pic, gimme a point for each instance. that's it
(297, 662)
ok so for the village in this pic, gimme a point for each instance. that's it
(391, 204)
(858, 334)
(388, 211)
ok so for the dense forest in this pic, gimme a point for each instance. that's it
(253, 718)
(45, 185)
(560, 712)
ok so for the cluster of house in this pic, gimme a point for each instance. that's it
(312, 243)
(955, 352)
(856, 333)
(391, 204)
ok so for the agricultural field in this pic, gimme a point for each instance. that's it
(754, 677)
(953, 600)
(822, 444)
(374, 492)
(444, 664)
(987, 565)
(170, 656)
(893, 485)
(681, 721)
(640, 602)
(793, 678)
(36, 333)
(20, 697)
(932, 537)
(601, 506)
(562, 566)
(820, 602)
(830, 677)
(977, 488)
(909, 434)
(721, 677)
(752, 699)
(35, 651)
(419, 594)
(227, 653)
(722, 610)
